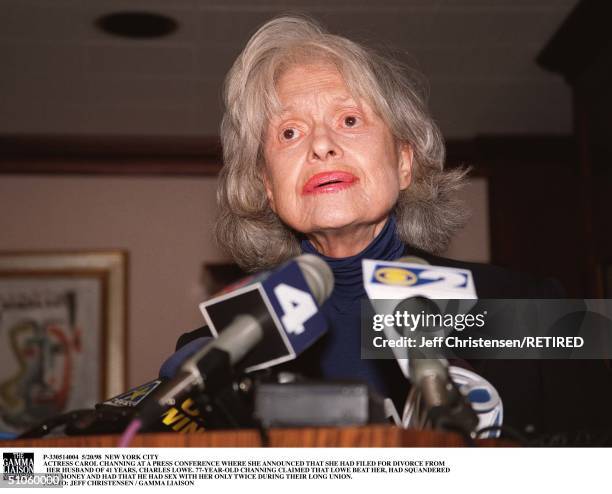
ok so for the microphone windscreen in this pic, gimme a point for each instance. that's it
(172, 364)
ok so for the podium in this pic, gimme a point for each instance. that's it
(376, 436)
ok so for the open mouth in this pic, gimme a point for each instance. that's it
(328, 182)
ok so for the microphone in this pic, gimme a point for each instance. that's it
(483, 398)
(277, 318)
(285, 301)
(134, 397)
(208, 368)
(173, 363)
(184, 417)
(446, 407)
(413, 276)
(419, 286)
(454, 398)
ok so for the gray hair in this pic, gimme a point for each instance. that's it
(427, 212)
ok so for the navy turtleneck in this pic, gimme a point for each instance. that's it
(340, 356)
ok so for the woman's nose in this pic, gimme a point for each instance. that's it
(323, 145)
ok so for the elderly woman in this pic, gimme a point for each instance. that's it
(324, 141)
(329, 149)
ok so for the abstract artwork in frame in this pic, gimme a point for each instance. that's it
(62, 333)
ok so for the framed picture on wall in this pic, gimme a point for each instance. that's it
(63, 333)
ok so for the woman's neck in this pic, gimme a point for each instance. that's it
(345, 242)
(348, 275)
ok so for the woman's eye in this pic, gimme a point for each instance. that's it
(289, 134)
(350, 121)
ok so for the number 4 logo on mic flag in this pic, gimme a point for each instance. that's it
(298, 306)
(285, 307)
(292, 300)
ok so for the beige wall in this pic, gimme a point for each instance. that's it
(165, 225)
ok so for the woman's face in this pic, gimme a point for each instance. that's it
(331, 163)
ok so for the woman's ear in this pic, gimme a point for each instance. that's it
(405, 165)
